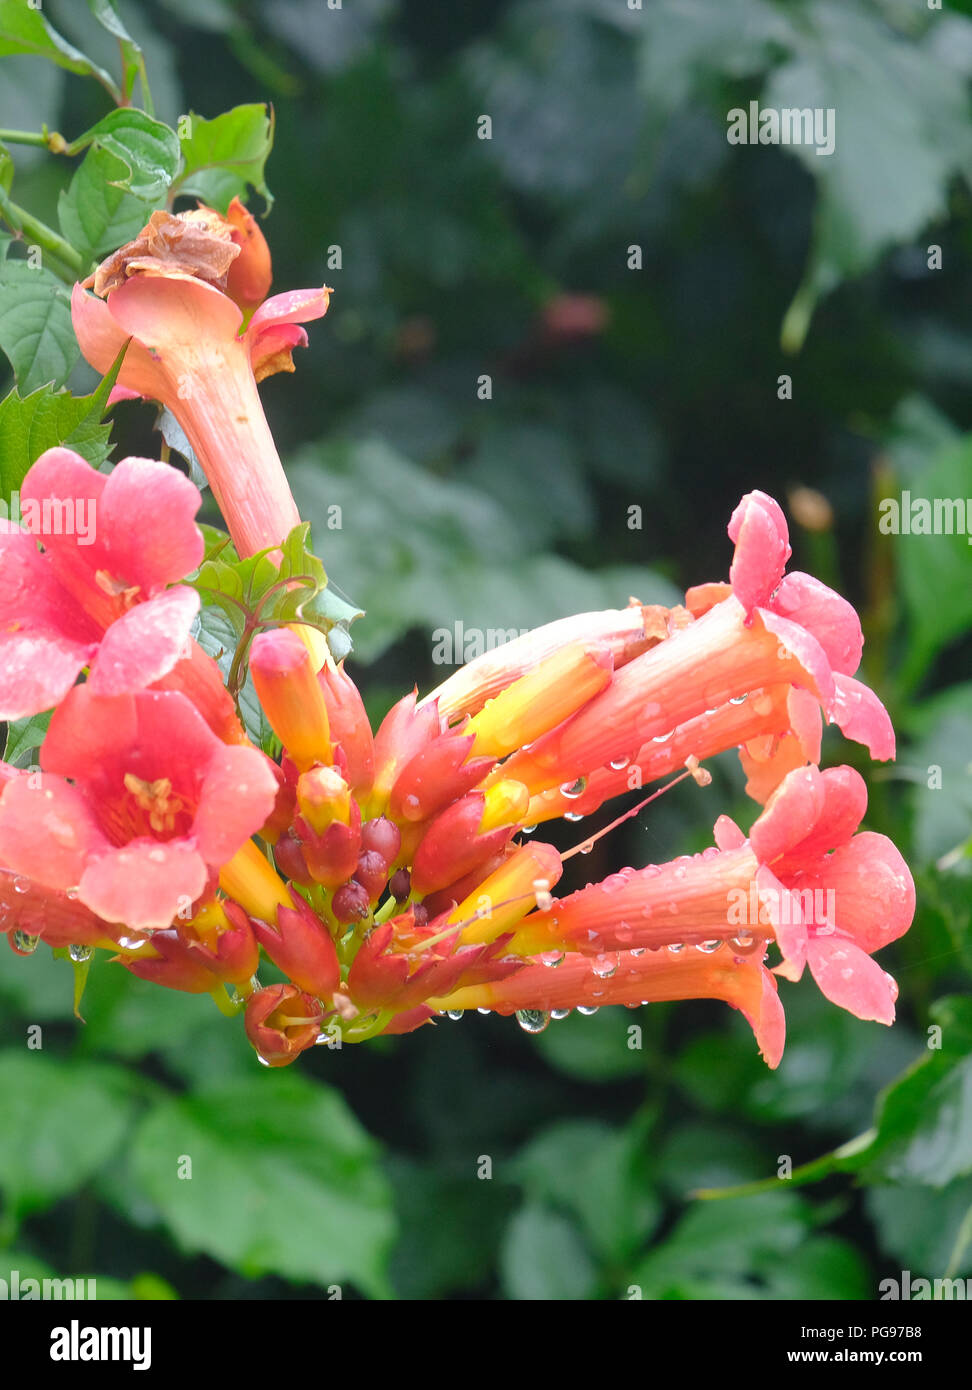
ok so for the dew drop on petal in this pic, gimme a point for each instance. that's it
(24, 943)
(80, 954)
(572, 790)
(532, 1020)
(587, 1009)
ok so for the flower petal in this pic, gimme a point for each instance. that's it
(47, 830)
(144, 644)
(831, 619)
(759, 530)
(860, 715)
(851, 979)
(144, 883)
(237, 796)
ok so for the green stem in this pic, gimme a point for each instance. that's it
(40, 234)
(834, 1162)
(961, 1245)
(51, 140)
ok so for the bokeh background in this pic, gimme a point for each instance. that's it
(635, 288)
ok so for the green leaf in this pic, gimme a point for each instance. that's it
(43, 420)
(95, 211)
(147, 149)
(24, 735)
(934, 568)
(941, 762)
(224, 156)
(35, 325)
(592, 1048)
(752, 1248)
(26, 30)
(284, 1181)
(924, 1120)
(132, 58)
(543, 1258)
(62, 1121)
(596, 1174)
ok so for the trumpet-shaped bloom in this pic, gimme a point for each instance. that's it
(99, 593)
(189, 349)
(154, 806)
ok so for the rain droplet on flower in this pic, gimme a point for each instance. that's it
(587, 1009)
(262, 1060)
(707, 947)
(527, 829)
(738, 699)
(24, 943)
(618, 764)
(481, 1010)
(532, 1020)
(558, 1014)
(454, 1014)
(676, 946)
(637, 950)
(572, 790)
(586, 847)
(663, 738)
(743, 940)
(21, 884)
(80, 954)
(604, 966)
(551, 958)
(573, 815)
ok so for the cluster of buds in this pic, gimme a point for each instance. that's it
(394, 875)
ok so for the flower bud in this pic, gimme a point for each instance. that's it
(301, 946)
(286, 683)
(324, 798)
(281, 1022)
(349, 726)
(351, 903)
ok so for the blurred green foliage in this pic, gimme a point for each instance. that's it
(469, 1160)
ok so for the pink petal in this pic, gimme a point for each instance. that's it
(30, 593)
(37, 669)
(85, 735)
(792, 810)
(166, 312)
(805, 721)
(803, 647)
(47, 830)
(237, 796)
(144, 883)
(147, 525)
(859, 714)
(831, 619)
(783, 910)
(851, 979)
(769, 1025)
(758, 528)
(270, 341)
(727, 833)
(844, 804)
(144, 644)
(296, 306)
(873, 889)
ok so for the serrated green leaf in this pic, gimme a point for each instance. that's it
(284, 1181)
(24, 29)
(48, 418)
(225, 156)
(23, 736)
(36, 333)
(147, 149)
(95, 212)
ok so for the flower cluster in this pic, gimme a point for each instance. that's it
(392, 875)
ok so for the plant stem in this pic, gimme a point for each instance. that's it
(40, 234)
(51, 140)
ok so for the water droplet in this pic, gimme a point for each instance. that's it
(481, 1010)
(676, 946)
(558, 1014)
(80, 954)
(132, 943)
(587, 1009)
(527, 829)
(262, 1060)
(72, 895)
(551, 958)
(619, 764)
(532, 1020)
(638, 950)
(604, 966)
(663, 738)
(707, 947)
(454, 1014)
(573, 815)
(572, 790)
(743, 940)
(586, 847)
(25, 944)
(738, 699)
(21, 884)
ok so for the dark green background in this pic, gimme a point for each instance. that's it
(608, 131)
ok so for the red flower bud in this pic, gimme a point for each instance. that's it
(281, 1022)
(436, 775)
(333, 856)
(383, 836)
(302, 947)
(372, 874)
(351, 903)
(350, 727)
